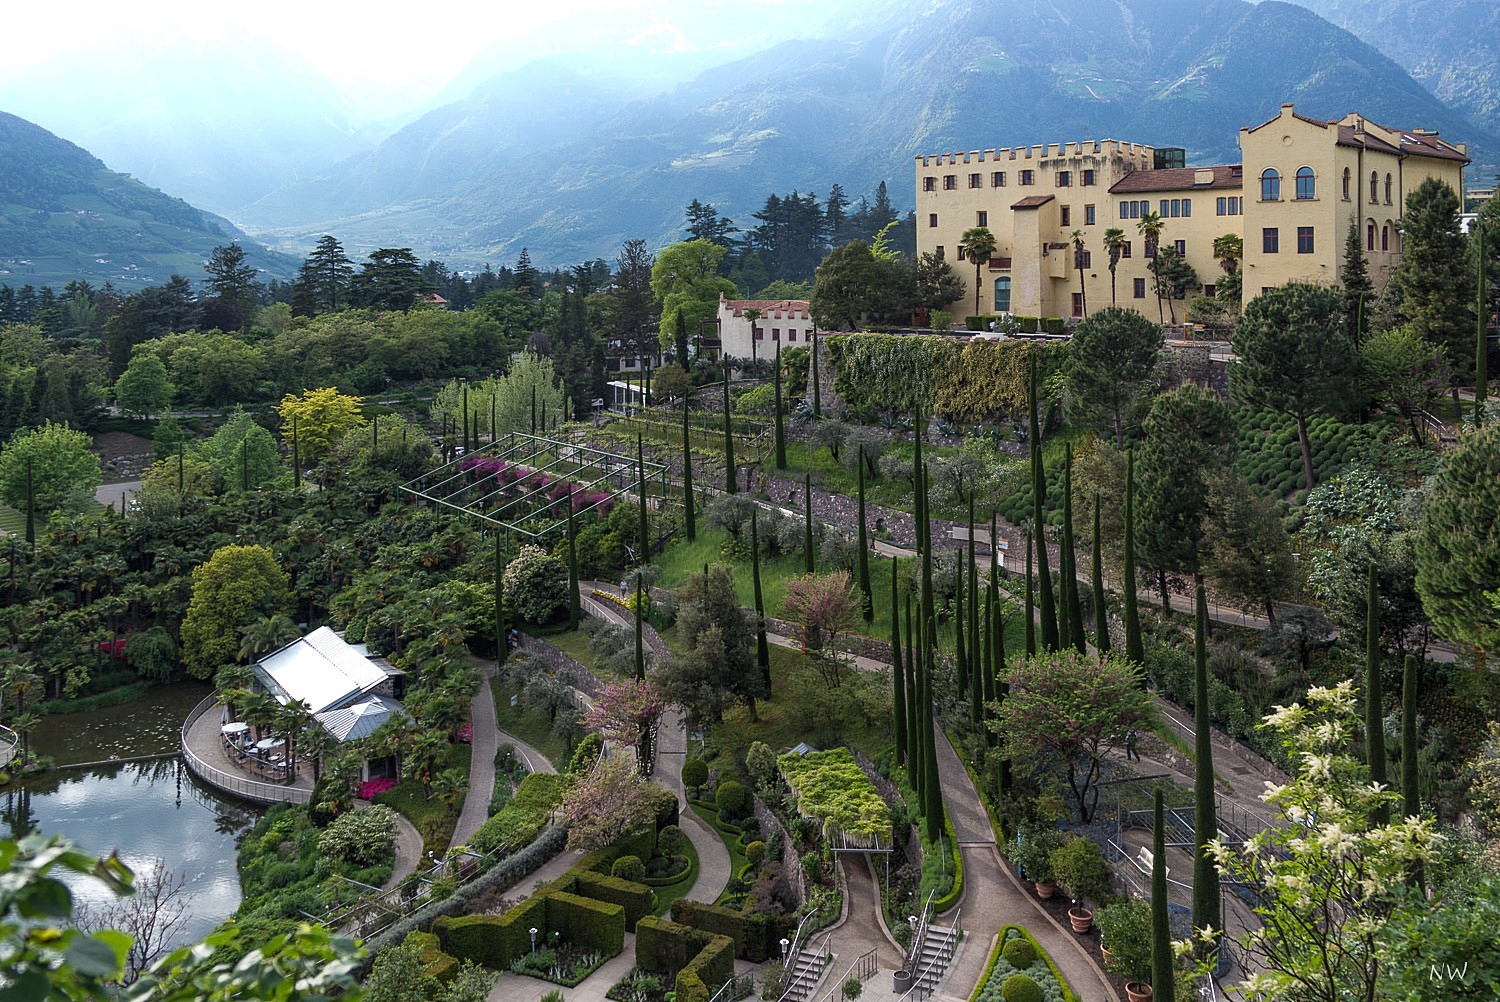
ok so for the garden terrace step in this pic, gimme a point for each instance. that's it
(807, 970)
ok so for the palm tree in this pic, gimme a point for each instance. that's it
(425, 757)
(978, 245)
(752, 314)
(1228, 250)
(1077, 239)
(1151, 227)
(267, 634)
(1114, 242)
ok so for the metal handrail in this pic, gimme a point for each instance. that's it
(919, 931)
(9, 742)
(736, 984)
(863, 968)
(943, 955)
(794, 951)
(240, 786)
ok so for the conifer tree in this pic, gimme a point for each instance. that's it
(1050, 640)
(640, 635)
(1411, 799)
(645, 522)
(932, 811)
(500, 631)
(1374, 699)
(731, 483)
(780, 431)
(1073, 612)
(1135, 651)
(1030, 604)
(1206, 905)
(573, 597)
(973, 623)
(1358, 289)
(913, 696)
(689, 509)
(1162, 986)
(296, 459)
(1101, 612)
(680, 340)
(762, 646)
(898, 672)
(863, 546)
(808, 561)
(979, 682)
(817, 377)
(1481, 346)
(960, 646)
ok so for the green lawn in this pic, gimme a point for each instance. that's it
(12, 521)
(575, 644)
(534, 729)
(431, 817)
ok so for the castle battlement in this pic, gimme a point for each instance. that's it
(1083, 148)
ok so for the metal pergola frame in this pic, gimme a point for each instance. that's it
(451, 487)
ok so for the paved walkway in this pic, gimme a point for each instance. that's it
(481, 759)
(408, 849)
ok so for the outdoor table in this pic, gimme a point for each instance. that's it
(238, 727)
(266, 744)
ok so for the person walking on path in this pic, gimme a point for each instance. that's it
(1131, 752)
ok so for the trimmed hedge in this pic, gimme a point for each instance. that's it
(520, 821)
(947, 901)
(586, 923)
(703, 975)
(984, 991)
(493, 940)
(700, 961)
(435, 963)
(637, 899)
(755, 936)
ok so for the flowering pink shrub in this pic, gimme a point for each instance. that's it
(466, 732)
(369, 788)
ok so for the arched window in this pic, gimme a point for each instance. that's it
(1270, 185)
(1387, 189)
(1374, 187)
(1385, 237)
(1370, 235)
(1002, 294)
(1346, 184)
(1307, 183)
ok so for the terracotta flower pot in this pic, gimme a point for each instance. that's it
(1138, 991)
(1082, 919)
(1105, 954)
(1046, 889)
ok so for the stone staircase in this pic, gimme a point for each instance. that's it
(930, 963)
(806, 970)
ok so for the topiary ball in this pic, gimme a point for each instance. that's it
(733, 799)
(1020, 988)
(629, 868)
(755, 852)
(694, 773)
(1019, 953)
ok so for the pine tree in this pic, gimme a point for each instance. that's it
(1135, 651)
(1434, 289)
(762, 646)
(1374, 699)
(862, 545)
(780, 431)
(689, 512)
(1101, 612)
(1359, 291)
(1206, 904)
(731, 483)
(898, 674)
(1162, 986)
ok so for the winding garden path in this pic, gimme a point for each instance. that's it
(485, 739)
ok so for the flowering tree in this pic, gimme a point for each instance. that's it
(1063, 709)
(1332, 875)
(607, 804)
(826, 607)
(628, 712)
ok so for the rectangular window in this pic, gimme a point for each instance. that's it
(1164, 210)
(1187, 206)
(1125, 249)
(1138, 288)
(1135, 209)
(1148, 251)
(940, 253)
(950, 181)
(1077, 304)
(1067, 215)
(1088, 178)
(963, 254)
(1304, 240)
(792, 336)
(1181, 247)
(1064, 179)
(981, 218)
(1209, 290)
(1124, 210)
(1028, 177)
(1270, 240)
(932, 219)
(976, 180)
(1221, 206)
(929, 184)
(997, 179)
(1088, 215)
(760, 335)
(1088, 260)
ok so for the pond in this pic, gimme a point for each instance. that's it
(147, 811)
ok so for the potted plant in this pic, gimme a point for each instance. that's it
(1125, 935)
(1031, 851)
(1079, 866)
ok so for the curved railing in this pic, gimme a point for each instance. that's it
(10, 743)
(240, 786)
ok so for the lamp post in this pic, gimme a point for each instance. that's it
(785, 946)
(533, 931)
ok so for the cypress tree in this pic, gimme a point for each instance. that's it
(1074, 612)
(466, 415)
(817, 377)
(1162, 986)
(1101, 613)
(31, 504)
(960, 648)
(680, 340)
(898, 673)
(1048, 606)
(640, 638)
(731, 484)
(762, 647)
(180, 455)
(1030, 605)
(1411, 800)
(932, 793)
(1374, 698)
(494, 424)
(1135, 651)
(533, 410)
(543, 425)
(573, 599)
(689, 514)
(919, 675)
(645, 522)
(913, 697)
(862, 543)
(1481, 353)
(500, 649)
(1206, 905)
(779, 431)
(807, 533)
(374, 433)
(979, 684)
(973, 624)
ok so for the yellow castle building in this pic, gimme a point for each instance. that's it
(1291, 200)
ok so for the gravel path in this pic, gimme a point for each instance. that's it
(481, 760)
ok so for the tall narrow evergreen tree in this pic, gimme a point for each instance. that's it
(979, 684)
(731, 482)
(640, 633)
(762, 646)
(918, 745)
(467, 445)
(898, 672)
(573, 597)
(1374, 697)
(862, 544)
(533, 410)
(1030, 604)
(31, 502)
(960, 646)
(973, 623)
(1048, 607)
(1135, 651)
(1074, 611)
(689, 503)
(817, 377)
(1162, 979)
(780, 431)
(1206, 903)
(1411, 798)
(1481, 347)
(932, 793)
(1101, 611)
(645, 519)
(808, 561)
(500, 631)
(913, 696)
(296, 457)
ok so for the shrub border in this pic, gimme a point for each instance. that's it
(1006, 931)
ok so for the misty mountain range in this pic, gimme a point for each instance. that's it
(571, 155)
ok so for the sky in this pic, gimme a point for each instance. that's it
(411, 45)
